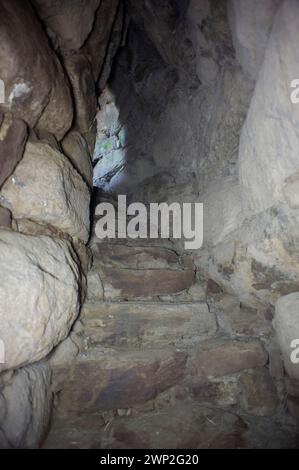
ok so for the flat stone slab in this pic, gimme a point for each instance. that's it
(107, 380)
(147, 324)
(121, 284)
(136, 257)
(219, 357)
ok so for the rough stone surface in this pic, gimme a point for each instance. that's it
(239, 320)
(144, 325)
(183, 426)
(75, 147)
(223, 212)
(293, 407)
(160, 81)
(216, 358)
(42, 275)
(286, 324)
(96, 47)
(138, 257)
(258, 393)
(47, 189)
(80, 74)
(5, 217)
(215, 393)
(99, 381)
(269, 144)
(35, 85)
(68, 23)
(251, 24)
(131, 283)
(25, 407)
(258, 262)
(13, 136)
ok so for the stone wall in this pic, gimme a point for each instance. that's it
(52, 56)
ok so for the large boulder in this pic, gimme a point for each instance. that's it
(35, 84)
(251, 24)
(39, 295)
(286, 324)
(258, 261)
(46, 188)
(25, 405)
(269, 145)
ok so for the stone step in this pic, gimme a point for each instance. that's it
(140, 257)
(125, 284)
(101, 380)
(147, 325)
(185, 425)
(122, 272)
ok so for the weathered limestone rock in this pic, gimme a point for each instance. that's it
(258, 393)
(99, 381)
(146, 325)
(286, 324)
(182, 426)
(95, 289)
(216, 358)
(80, 74)
(25, 407)
(39, 295)
(41, 96)
(116, 37)
(223, 212)
(47, 189)
(13, 136)
(251, 24)
(258, 262)
(96, 46)
(5, 217)
(238, 320)
(68, 23)
(269, 145)
(75, 147)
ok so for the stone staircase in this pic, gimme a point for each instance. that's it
(156, 369)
